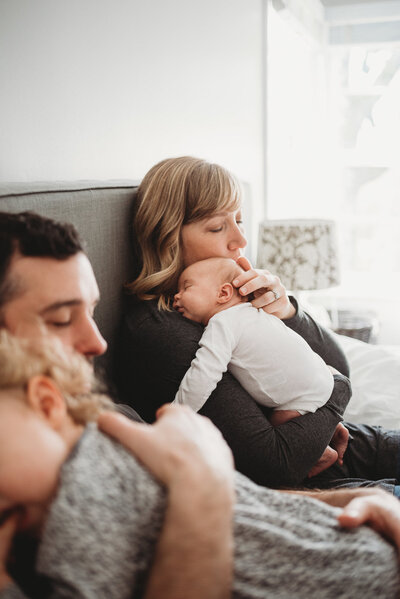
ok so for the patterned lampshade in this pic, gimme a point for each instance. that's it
(303, 253)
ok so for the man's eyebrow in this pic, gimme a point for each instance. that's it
(61, 304)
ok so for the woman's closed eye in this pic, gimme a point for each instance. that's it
(219, 228)
(217, 225)
(59, 323)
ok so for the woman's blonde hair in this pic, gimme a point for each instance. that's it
(22, 359)
(175, 192)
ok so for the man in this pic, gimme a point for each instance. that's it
(47, 283)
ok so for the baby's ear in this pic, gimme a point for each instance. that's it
(225, 293)
(45, 398)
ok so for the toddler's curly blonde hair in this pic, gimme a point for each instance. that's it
(21, 359)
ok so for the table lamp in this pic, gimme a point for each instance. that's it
(303, 253)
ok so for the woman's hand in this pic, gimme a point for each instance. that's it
(267, 289)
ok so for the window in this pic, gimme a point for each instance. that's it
(333, 139)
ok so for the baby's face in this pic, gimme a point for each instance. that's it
(197, 293)
(31, 455)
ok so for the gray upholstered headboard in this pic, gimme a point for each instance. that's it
(101, 211)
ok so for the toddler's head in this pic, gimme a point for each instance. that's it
(45, 398)
(205, 288)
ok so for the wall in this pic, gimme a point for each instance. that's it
(106, 88)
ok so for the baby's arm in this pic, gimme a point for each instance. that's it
(208, 366)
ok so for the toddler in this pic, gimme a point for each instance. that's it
(273, 363)
(97, 513)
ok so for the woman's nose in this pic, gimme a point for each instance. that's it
(238, 240)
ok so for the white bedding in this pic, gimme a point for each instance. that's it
(375, 379)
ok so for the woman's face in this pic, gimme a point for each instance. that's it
(220, 234)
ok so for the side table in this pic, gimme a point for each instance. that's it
(361, 325)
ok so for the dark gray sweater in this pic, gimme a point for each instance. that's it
(155, 349)
(103, 525)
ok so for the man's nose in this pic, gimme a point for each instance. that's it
(91, 342)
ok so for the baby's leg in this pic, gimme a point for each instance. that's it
(328, 458)
(281, 416)
(332, 454)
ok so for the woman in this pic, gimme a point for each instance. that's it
(189, 209)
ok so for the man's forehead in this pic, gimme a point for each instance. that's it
(48, 280)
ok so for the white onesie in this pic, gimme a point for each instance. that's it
(274, 364)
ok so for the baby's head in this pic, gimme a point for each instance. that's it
(45, 398)
(205, 288)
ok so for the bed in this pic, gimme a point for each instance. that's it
(375, 379)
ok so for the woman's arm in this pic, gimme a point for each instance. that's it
(273, 457)
(319, 338)
(157, 349)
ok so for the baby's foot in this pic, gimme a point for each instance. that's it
(328, 458)
(340, 441)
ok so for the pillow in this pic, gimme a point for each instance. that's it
(375, 380)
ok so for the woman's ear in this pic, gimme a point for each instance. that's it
(45, 398)
(225, 293)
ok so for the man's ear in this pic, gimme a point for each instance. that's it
(45, 398)
(225, 293)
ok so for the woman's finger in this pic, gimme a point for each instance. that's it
(244, 263)
(252, 281)
(267, 289)
(269, 302)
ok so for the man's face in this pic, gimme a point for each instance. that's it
(60, 295)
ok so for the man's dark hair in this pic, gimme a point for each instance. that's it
(30, 234)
